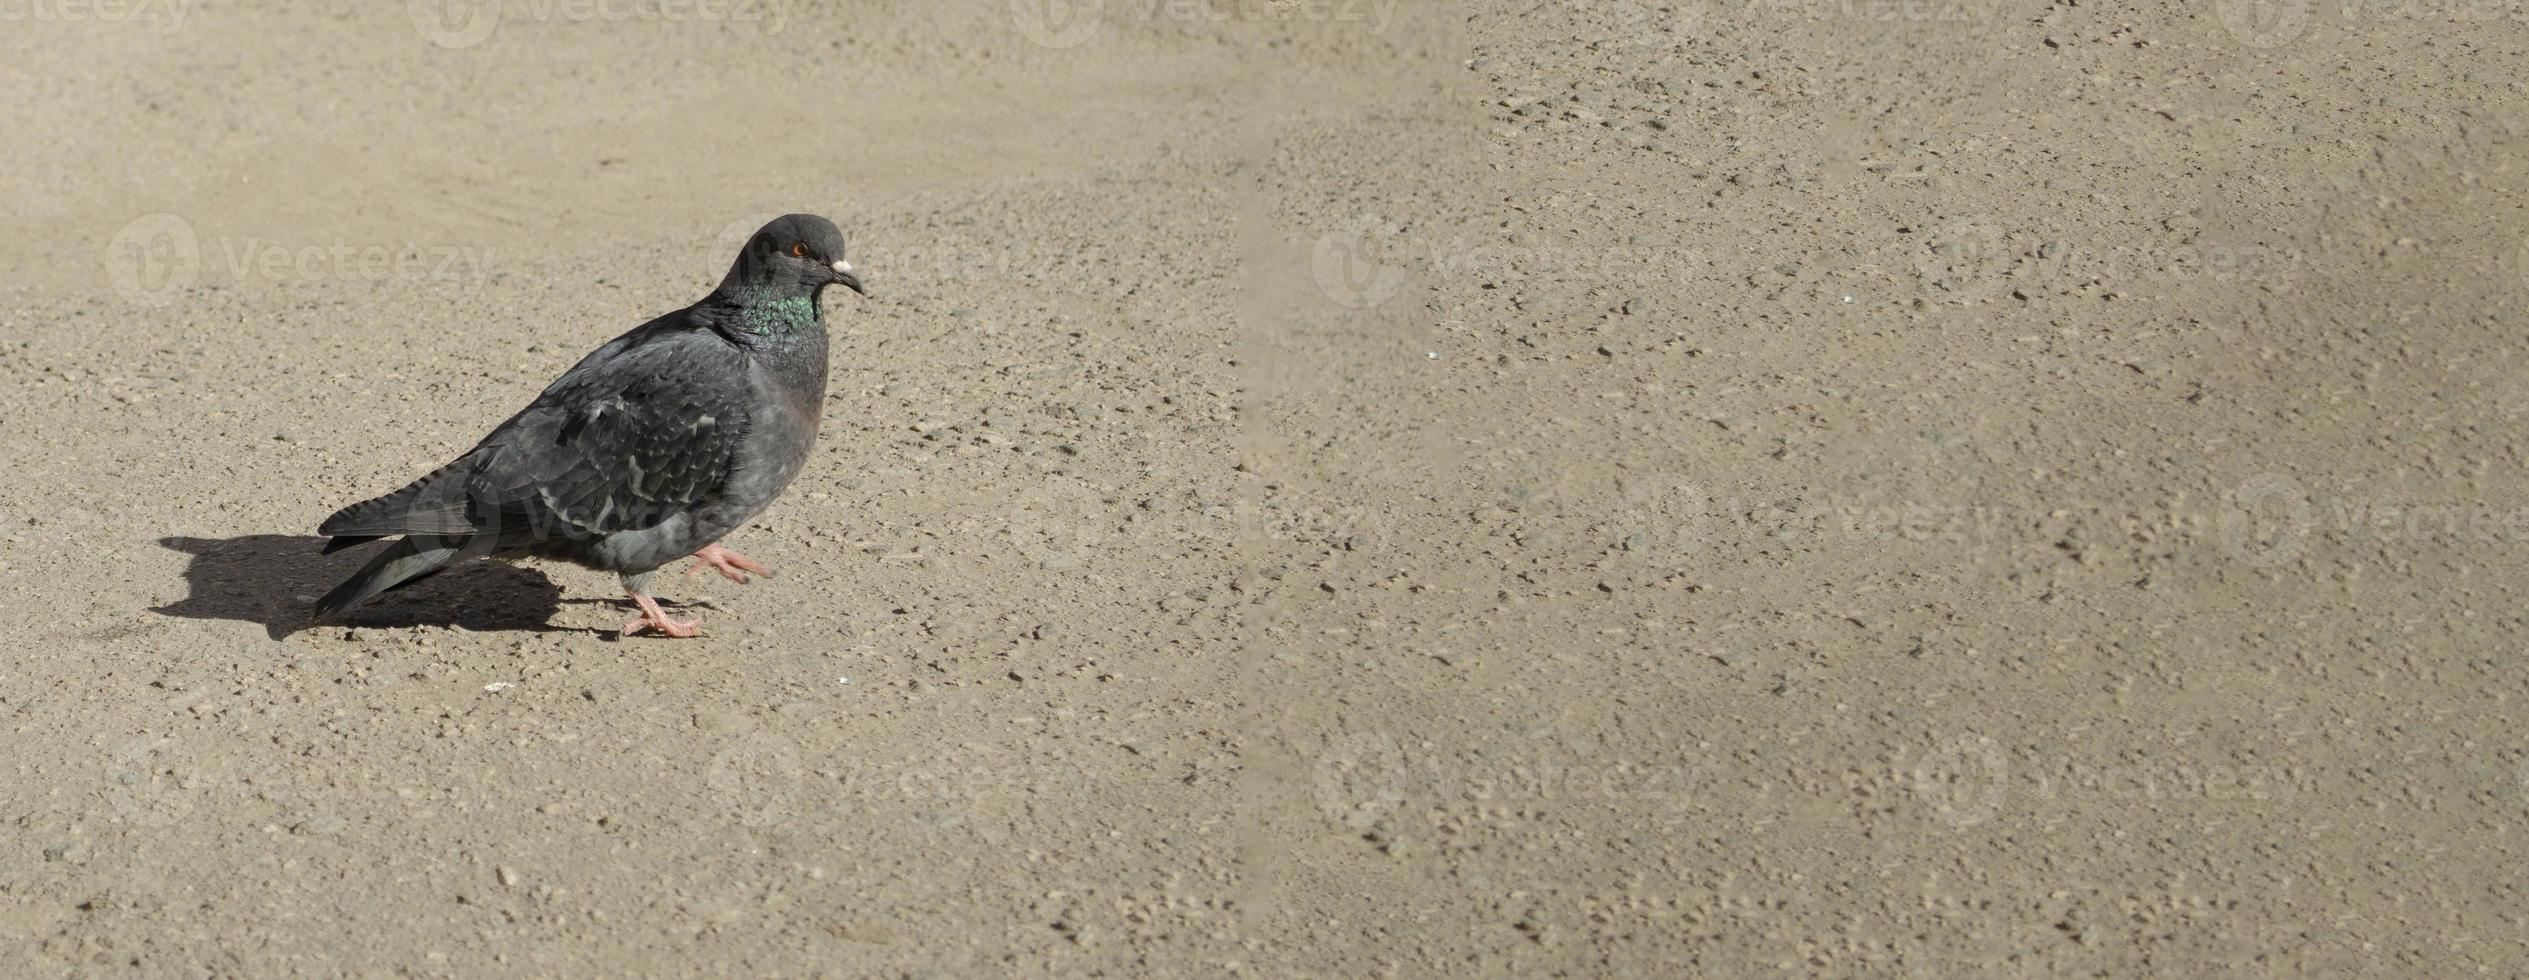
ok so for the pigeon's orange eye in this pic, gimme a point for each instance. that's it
(798, 250)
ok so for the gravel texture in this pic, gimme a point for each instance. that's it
(1354, 488)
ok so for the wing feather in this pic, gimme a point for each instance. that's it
(621, 448)
(645, 428)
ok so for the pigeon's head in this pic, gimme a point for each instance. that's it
(792, 255)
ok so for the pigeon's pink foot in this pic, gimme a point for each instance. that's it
(729, 564)
(654, 618)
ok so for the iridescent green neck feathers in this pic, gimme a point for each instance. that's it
(769, 315)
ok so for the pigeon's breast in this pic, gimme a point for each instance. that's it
(778, 437)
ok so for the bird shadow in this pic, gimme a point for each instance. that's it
(274, 579)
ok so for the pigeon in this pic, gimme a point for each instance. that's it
(647, 451)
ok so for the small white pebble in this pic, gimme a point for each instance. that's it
(1848, 299)
(1433, 354)
(847, 680)
(498, 686)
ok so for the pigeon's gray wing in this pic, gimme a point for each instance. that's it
(639, 439)
(640, 431)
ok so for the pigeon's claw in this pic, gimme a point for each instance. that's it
(655, 618)
(729, 564)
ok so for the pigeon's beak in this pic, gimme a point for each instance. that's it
(843, 274)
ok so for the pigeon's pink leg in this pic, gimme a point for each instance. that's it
(729, 564)
(654, 618)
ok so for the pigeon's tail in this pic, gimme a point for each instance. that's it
(434, 504)
(408, 561)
